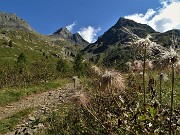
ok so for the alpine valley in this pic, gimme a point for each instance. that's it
(125, 83)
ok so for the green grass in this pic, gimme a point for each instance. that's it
(9, 95)
(9, 123)
(32, 45)
(166, 86)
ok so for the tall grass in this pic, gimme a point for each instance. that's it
(144, 68)
(172, 95)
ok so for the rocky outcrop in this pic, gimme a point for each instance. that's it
(13, 22)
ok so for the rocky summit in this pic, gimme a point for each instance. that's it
(64, 33)
(13, 22)
(117, 36)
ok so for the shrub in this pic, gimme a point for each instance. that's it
(64, 67)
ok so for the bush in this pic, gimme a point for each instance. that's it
(81, 67)
(64, 67)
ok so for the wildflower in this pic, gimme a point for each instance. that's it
(151, 47)
(170, 57)
(150, 124)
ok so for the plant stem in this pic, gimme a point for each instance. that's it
(94, 116)
(172, 94)
(144, 66)
(160, 85)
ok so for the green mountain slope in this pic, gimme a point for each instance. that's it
(16, 36)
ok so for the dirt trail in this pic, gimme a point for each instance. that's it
(46, 98)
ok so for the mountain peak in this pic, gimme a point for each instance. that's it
(63, 32)
(123, 22)
(116, 35)
(76, 38)
(79, 40)
(12, 21)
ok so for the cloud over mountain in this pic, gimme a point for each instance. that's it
(70, 27)
(162, 19)
(89, 33)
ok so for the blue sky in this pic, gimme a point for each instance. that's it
(91, 18)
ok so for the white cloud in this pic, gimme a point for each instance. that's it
(165, 18)
(70, 27)
(166, 2)
(140, 17)
(89, 33)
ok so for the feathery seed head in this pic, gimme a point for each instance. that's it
(137, 65)
(84, 100)
(171, 55)
(150, 46)
(163, 77)
(112, 81)
(149, 64)
(96, 70)
(81, 98)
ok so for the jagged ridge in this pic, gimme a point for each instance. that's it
(76, 38)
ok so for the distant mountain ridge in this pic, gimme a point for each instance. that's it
(116, 35)
(11, 21)
(112, 48)
(34, 45)
(76, 38)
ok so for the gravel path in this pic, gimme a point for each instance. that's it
(46, 98)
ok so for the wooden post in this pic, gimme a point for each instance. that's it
(75, 78)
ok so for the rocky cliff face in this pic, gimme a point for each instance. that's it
(63, 33)
(13, 22)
